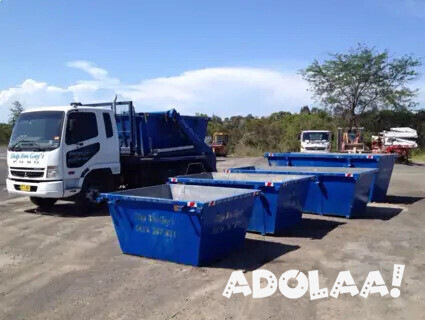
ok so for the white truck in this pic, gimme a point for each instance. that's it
(74, 152)
(315, 141)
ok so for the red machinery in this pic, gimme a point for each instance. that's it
(397, 140)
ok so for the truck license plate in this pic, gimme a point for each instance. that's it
(24, 187)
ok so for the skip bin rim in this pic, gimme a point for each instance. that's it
(335, 155)
(276, 184)
(244, 193)
(351, 171)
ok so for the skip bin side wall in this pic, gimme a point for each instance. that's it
(194, 238)
(331, 194)
(265, 206)
(277, 211)
(384, 164)
(291, 201)
(156, 231)
(263, 218)
(224, 228)
(361, 195)
(338, 194)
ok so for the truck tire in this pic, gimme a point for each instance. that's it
(196, 167)
(93, 185)
(45, 204)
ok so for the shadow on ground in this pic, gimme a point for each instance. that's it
(313, 228)
(403, 199)
(415, 164)
(254, 254)
(381, 213)
(69, 210)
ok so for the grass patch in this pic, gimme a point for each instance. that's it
(242, 150)
(419, 157)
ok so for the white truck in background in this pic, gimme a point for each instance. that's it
(315, 141)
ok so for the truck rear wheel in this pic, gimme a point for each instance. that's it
(44, 204)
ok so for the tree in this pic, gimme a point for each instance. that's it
(5, 132)
(305, 109)
(15, 112)
(363, 79)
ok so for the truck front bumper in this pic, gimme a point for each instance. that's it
(48, 189)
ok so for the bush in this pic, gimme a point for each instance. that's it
(5, 132)
(279, 132)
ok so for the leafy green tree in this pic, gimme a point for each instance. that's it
(349, 84)
(305, 109)
(5, 132)
(15, 112)
(252, 136)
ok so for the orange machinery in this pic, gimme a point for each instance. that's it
(219, 143)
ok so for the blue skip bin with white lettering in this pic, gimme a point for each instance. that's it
(193, 225)
(277, 210)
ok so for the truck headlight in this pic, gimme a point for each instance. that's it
(52, 172)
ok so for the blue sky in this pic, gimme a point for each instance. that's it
(227, 57)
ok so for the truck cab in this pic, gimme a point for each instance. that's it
(315, 141)
(52, 150)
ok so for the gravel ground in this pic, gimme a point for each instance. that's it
(59, 266)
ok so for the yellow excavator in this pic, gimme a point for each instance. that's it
(219, 143)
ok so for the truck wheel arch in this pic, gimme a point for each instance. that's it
(100, 174)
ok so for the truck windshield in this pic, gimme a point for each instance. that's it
(37, 131)
(316, 136)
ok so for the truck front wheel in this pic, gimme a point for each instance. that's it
(93, 185)
(44, 204)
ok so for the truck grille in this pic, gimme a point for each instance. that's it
(27, 172)
(315, 148)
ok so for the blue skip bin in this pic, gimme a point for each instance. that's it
(192, 225)
(279, 207)
(337, 191)
(383, 162)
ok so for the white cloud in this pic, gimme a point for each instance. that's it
(222, 91)
(90, 68)
(32, 93)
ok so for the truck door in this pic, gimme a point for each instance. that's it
(81, 148)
